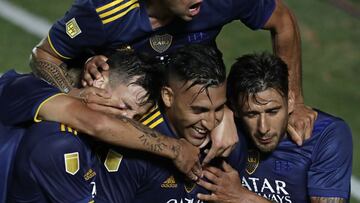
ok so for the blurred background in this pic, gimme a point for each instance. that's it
(330, 31)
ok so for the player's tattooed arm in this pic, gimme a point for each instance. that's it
(183, 154)
(45, 64)
(327, 200)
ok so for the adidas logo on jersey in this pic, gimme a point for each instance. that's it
(169, 183)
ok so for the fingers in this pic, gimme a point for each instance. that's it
(227, 167)
(197, 169)
(227, 151)
(207, 185)
(301, 123)
(93, 68)
(294, 135)
(106, 109)
(210, 155)
(95, 95)
(192, 176)
(213, 177)
(205, 197)
(312, 116)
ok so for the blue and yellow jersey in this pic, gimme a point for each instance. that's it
(21, 97)
(53, 164)
(93, 26)
(10, 138)
(56, 164)
(319, 168)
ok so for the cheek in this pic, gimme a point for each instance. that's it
(251, 125)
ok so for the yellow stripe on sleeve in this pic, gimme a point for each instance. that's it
(153, 125)
(121, 7)
(147, 121)
(62, 128)
(36, 119)
(108, 5)
(53, 48)
(136, 5)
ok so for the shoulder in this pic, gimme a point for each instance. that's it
(329, 125)
(332, 136)
(47, 140)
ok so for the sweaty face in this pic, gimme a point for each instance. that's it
(185, 9)
(194, 115)
(265, 116)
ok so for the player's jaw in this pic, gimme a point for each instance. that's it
(267, 142)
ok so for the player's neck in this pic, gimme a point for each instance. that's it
(159, 14)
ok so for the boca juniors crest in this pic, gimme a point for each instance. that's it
(253, 160)
(160, 43)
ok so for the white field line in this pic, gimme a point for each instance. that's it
(31, 23)
(355, 188)
(39, 27)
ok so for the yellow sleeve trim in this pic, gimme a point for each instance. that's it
(121, 14)
(108, 13)
(156, 123)
(151, 118)
(36, 119)
(53, 48)
(108, 5)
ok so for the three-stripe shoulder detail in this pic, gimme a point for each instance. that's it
(153, 118)
(116, 9)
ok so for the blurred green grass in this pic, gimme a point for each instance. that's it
(330, 42)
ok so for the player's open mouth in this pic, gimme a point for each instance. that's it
(195, 9)
(200, 133)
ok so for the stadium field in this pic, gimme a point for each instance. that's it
(330, 42)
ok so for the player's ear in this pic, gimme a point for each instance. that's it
(103, 81)
(291, 102)
(167, 96)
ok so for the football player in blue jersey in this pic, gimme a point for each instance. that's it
(26, 99)
(56, 164)
(161, 26)
(318, 171)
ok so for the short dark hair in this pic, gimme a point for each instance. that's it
(126, 65)
(254, 73)
(200, 64)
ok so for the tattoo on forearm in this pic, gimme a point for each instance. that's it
(327, 200)
(54, 74)
(150, 138)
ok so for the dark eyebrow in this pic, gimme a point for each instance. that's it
(273, 108)
(199, 108)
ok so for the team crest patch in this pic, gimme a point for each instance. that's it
(189, 186)
(72, 28)
(112, 161)
(160, 43)
(72, 163)
(252, 161)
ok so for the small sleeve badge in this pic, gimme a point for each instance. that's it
(72, 28)
(72, 164)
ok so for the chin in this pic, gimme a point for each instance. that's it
(266, 148)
